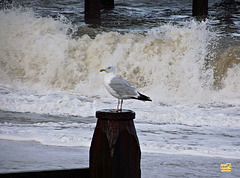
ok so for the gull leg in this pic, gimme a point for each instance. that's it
(116, 110)
(121, 104)
(118, 104)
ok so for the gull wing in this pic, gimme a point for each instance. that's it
(123, 88)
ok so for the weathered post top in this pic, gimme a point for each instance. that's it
(108, 114)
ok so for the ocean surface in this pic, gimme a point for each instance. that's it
(51, 87)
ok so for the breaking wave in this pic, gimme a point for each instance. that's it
(172, 64)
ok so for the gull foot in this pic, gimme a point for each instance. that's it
(116, 110)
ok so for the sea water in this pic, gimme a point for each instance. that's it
(51, 87)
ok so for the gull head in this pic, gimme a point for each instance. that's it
(109, 69)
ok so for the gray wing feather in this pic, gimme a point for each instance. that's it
(123, 87)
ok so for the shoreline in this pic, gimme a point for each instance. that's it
(23, 156)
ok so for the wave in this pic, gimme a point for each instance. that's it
(172, 64)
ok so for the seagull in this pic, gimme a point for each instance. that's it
(120, 88)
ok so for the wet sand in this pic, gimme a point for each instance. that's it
(22, 156)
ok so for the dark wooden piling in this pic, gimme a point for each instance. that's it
(200, 8)
(92, 11)
(107, 4)
(115, 150)
(69, 173)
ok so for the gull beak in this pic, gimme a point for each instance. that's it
(102, 70)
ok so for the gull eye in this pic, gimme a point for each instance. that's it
(109, 67)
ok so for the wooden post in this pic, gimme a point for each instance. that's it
(70, 173)
(107, 4)
(200, 8)
(115, 150)
(92, 11)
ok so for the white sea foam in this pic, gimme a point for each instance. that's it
(59, 134)
(168, 63)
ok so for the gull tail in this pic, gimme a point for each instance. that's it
(142, 97)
